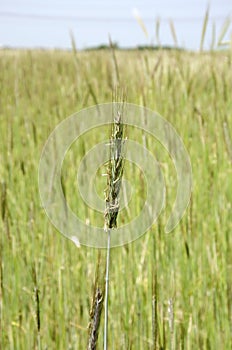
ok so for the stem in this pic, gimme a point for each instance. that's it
(107, 293)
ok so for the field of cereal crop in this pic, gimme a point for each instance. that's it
(190, 268)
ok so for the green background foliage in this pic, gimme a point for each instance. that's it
(192, 266)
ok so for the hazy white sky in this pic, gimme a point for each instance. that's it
(40, 23)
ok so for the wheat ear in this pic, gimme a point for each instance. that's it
(114, 178)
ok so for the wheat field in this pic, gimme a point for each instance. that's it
(166, 291)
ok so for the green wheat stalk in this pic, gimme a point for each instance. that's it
(205, 23)
(114, 179)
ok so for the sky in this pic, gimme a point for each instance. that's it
(48, 23)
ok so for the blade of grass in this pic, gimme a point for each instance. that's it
(173, 32)
(205, 23)
(157, 31)
(140, 22)
(223, 32)
(114, 60)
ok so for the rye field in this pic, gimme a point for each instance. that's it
(167, 291)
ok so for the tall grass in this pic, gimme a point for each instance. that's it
(192, 266)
